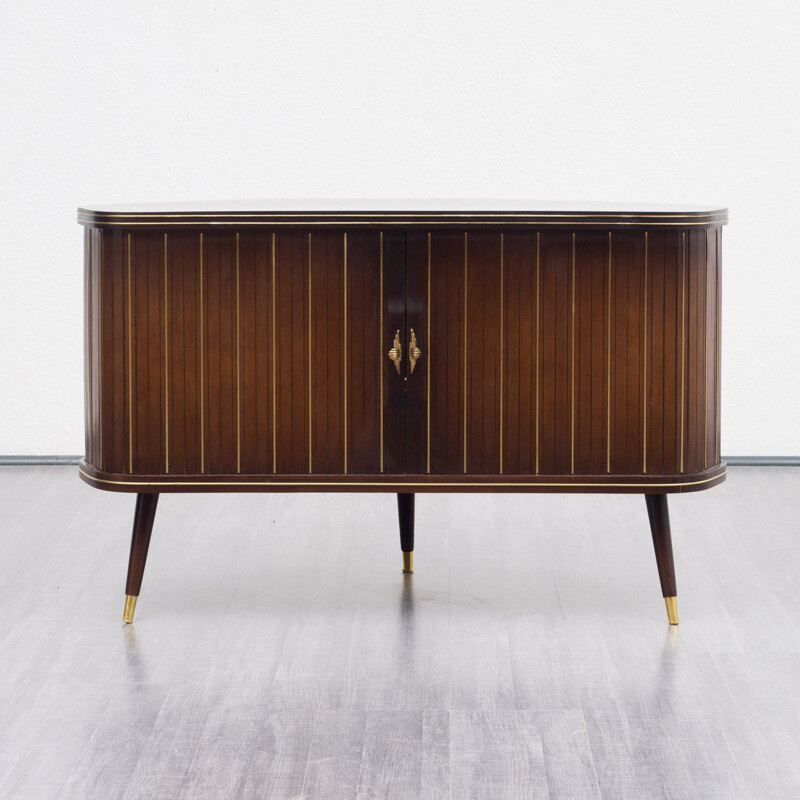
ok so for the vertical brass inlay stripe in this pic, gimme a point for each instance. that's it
(310, 461)
(380, 341)
(683, 338)
(428, 363)
(608, 366)
(465, 348)
(274, 372)
(166, 359)
(572, 367)
(502, 247)
(538, 283)
(202, 376)
(130, 364)
(345, 352)
(644, 376)
(238, 367)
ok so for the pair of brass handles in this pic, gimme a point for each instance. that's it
(396, 353)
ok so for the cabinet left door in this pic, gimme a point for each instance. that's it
(243, 352)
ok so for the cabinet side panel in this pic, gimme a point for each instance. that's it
(447, 349)
(106, 301)
(87, 361)
(695, 346)
(114, 354)
(712, 347)
(718, 320)
(363, 337)
(97, 347)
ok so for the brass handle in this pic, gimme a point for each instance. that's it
(414, 353)
(396, 353)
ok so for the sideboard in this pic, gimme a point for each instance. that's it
(489, 347)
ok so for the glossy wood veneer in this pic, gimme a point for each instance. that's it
(255, 359)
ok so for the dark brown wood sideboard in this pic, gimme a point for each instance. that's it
(402, 348)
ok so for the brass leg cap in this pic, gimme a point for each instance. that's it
(130, 608)
(408, 561)
(672, 609)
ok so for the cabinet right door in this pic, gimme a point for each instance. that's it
(515, 335)
(455, 395)
(559, 352)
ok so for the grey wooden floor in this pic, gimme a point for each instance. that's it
(279, 652)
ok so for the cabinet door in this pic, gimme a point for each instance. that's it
(453, 413)
(560, 352)
(355, 282)
(494, 390)
(313, 394)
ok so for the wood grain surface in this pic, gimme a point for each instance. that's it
(253, 356)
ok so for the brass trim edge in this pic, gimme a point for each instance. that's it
(378, 221)
(548, 484)
(424, 215)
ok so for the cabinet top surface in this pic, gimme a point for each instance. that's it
(405, 212)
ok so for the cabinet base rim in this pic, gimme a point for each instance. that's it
(332, 483)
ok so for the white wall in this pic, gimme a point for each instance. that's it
(631, 101)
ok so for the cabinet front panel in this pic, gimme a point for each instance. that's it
(564, 353)
(263, 352)
(253, 352)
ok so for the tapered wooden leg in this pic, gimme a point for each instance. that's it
(140, 543)
(405, 511)
(658, 512)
